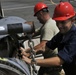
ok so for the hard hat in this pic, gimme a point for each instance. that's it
(39, 6)
(63, 11)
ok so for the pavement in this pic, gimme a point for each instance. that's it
(24, 9)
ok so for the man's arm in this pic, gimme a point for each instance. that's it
(40, 46)
(53, 61)
(38, 49)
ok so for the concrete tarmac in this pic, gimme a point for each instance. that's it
(23, 9)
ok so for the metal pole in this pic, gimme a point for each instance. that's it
(1, 11)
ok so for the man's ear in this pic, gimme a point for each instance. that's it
(41, 12)
(72, 20)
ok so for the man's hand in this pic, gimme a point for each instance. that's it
(23, 52)
(26, 59)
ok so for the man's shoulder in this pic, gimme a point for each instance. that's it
(50, 23)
